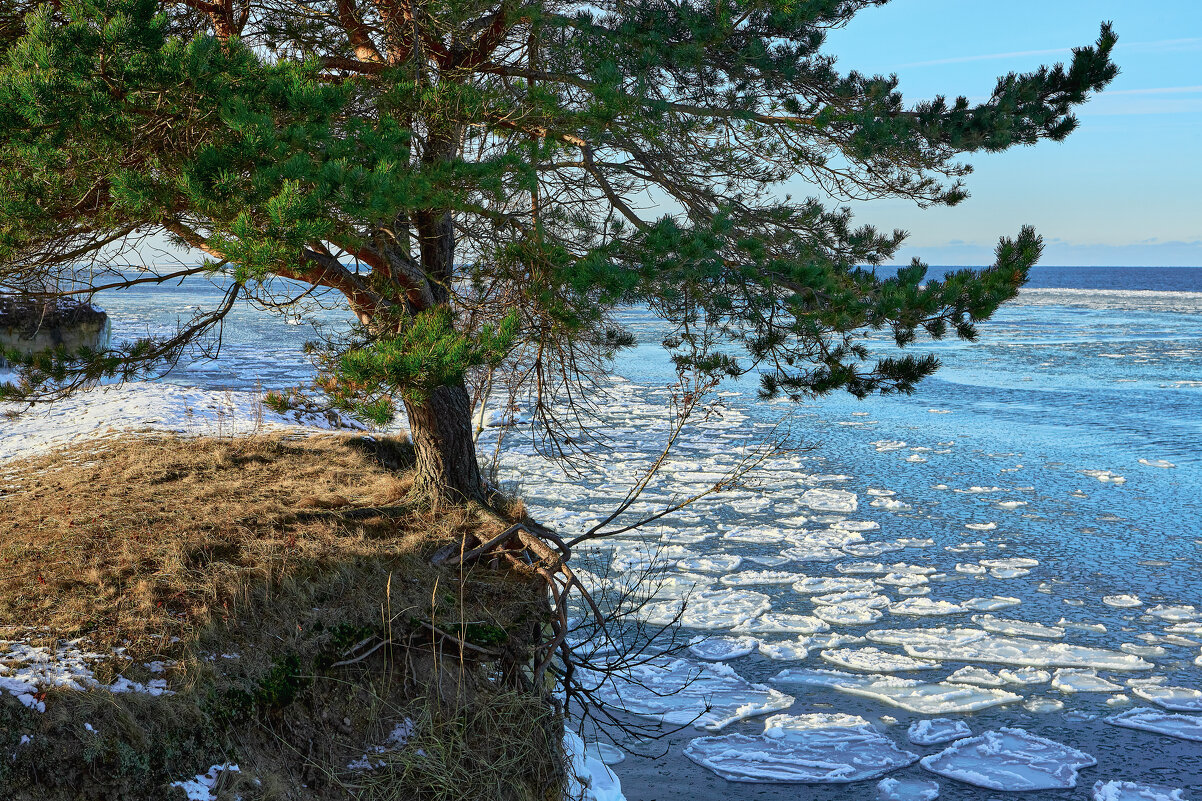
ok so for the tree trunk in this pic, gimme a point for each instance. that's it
(441, 428)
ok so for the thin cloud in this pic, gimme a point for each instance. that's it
(1157, 90)
(1175, 44)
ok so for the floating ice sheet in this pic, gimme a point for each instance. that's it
(718, 649)
(782, 623)
(933, 731)
(708, 695)
(1024, 652)
(905, 789)
(806, 748)
(1130, 791)
(1010, 759)
(788, 650)
(1185, 727)
(1020, 628)
(1122, 601)
(875, 660)
(828, 500)
(711, 609)
(924, 698)
(1178, 699)
(1082, 680)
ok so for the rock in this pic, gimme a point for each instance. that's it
(29, 326)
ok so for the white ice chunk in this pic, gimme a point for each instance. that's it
(1178, 699)
(976, 675)
(990, 604)
(1175, 614)
(1019, 628)
(1186, 727)
(821, 586)
(718, 649)
(853, 613)
(1024, 675)
(829, 500)
(925, 607)
(589, 778)
(933, 731)
(712, 609)
(1122, 601)
(1130, 791)
(1082, 680)
(924, 698)
(1024, 652)
(788, 650)
(708, 695)
(1010, 759)
(904, 789)
(874, 660)
(805, 748)
(1156, 463)
(782, 623)
(717, 563)
(748, 578)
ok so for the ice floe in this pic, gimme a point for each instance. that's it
(831, 749)
(1185, 727)
(1130, 791)
(829, 500)
(787, 650)
(782, 623)
(1178, 699)
(710, 609)
(874, 660)
(1019, 628)
(589, 778)
(1082, 680)
(933, 731)
(1021, 651)
(924, 698)
(709, 695)
(1122, 601)
(718, 649)
(906, 789)
(1010, 759)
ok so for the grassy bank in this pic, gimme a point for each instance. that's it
(283, 590)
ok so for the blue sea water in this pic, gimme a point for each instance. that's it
(1089, 370)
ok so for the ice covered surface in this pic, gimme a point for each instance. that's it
(136, 406)
(708, 695)
(1082, 680)
(718, 649)
(200, 788)
(709, 609)
(783, 623)
(829, 749)
(891, 789)
(933, 731)
(1020, 628)
(589, 778)
(786, 650)
(1185, 727)
(1130, 791)
(829, 500)
(925, 607)
(1177, 699)
(1122, 601)
(960, 645)
(874, 660)
(924, 698)
(1010, 759)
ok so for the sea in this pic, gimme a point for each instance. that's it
(1050, 473)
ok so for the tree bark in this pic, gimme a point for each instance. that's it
(441, 428)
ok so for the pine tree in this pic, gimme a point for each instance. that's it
(475, 176)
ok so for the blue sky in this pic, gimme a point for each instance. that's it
(1124, 189)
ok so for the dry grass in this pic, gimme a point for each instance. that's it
(154, 535)
(286, 552)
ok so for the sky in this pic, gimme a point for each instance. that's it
(1124, 189)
